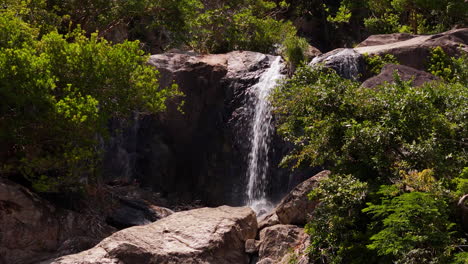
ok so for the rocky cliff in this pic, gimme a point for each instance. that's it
(197, 150)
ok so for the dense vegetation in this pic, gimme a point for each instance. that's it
(398, 153)
(399, 159)
(58, 92)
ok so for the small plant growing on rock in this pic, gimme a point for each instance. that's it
(375, 63)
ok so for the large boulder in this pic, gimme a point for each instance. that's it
(414, 50)
(281, 243)
(31, 229)
(406, 73)
(206, 235)
(410, 50)
(347, 63)
(295, 208)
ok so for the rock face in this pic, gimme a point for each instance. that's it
(280, 242)
(200, 154)
(406, 73)
(346, 62)
(413, 50)
(410, 50)
(295, 207)
(133, 212)
(31, 229)
(206, 235)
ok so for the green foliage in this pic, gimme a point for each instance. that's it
(449, 68)
(375, 63)
(34, 12)
(205, 26)
(58, 92)
(335, 228)
(461, 258)
(461, 183)
(387, 23)
(414, 228)
(419, 16)
(240, 25)
(343, 15)
(372, 133)
(294, 49)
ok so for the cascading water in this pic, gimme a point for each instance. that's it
(260, 137)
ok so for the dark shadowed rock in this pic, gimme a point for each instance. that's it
(31, 229)
(406, 73)
(206, 235)
(279, 242)
(413, 50)
(200, 154)
(134, 212)
(296, 206)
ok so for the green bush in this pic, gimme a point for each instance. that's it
(372, 133)
(451, 69)
(58, 93)
(375, 63)
(293, 50)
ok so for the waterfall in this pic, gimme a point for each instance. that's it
(260, 137)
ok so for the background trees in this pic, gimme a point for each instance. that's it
(58, 92)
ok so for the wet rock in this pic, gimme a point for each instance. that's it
(206, 235)
(199, 154)
(406, 73)
(347, 63)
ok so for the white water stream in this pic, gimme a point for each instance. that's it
(260, 137)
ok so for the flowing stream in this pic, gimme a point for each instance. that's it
(260, 137)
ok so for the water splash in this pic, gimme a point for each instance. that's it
(260, 137)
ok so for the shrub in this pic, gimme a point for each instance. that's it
(375, 63)
(372, 133)
(335, 231)
(415, 228)
(450, 69)
(58, 93)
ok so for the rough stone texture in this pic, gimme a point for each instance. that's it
(406, 73)
(278, 241)
(295, 207)
(31, 229)
(200, 154)
(206, 235)
(252, 246)
(312, 52)
(267, 220)
(347, 63)
(413, 50)
(134, 212)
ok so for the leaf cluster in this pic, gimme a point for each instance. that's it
(58, 93)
